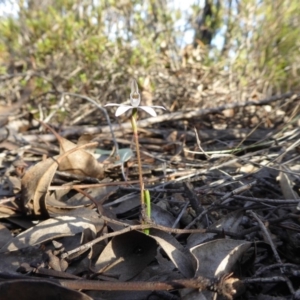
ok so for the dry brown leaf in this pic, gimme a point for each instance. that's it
(175, 251)
(9, 208)
(126, 255)
(48, 230)
(79, 162)
(215, 259)
(35, 185)
(161, 216)
(286, 184)
(10, 185)
(5, 235)
(35, 182)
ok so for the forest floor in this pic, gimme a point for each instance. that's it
(224, 180)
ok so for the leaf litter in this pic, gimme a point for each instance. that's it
(78, 211)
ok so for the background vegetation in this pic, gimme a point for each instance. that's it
(93, 47)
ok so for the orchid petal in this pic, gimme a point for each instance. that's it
(149, 110)
(112, 104)
(122, 109)
(134, 86)
(135, 97)
(161, 107)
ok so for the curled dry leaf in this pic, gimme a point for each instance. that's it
(34, 186)
(126, 255)
(79, 162)
(286, 184)
(10, 185)
(5, 235)
(161, 216)
(181, 258)
(35, 182)
(10, 209)
(62, 199)
(48, 230)
(217, 258)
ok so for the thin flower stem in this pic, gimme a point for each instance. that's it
(147, 200)
(136, 139)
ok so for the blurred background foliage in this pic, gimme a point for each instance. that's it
(241, 49)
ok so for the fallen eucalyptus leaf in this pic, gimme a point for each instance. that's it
(5, 235)
(35, 184)
(180, 257)
(161, 216)
(286, 184)
(79, 162)
(126, 255)
(47, 230)
(36, 181)
(215, 259)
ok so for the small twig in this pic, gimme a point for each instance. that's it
(95, 185)
(237, 191)
(276, 255)
(193, 199)
(199, 144)
(100, 209)
(260, 200)
(266, 234)
(273, 279)
(226, 286)
(262, 270)
(88, 245)
(180, 214)
(263, 200)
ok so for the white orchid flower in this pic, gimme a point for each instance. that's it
(135, 100)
